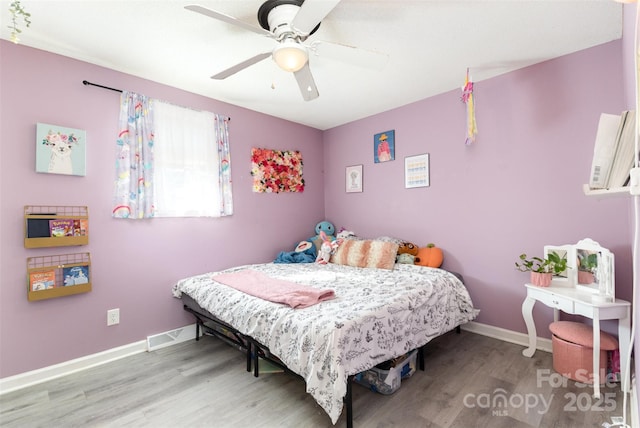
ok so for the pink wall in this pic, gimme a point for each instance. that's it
(537, 128)
(515, 190)
(134, 263)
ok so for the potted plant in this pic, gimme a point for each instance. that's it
(542, 270)
(587, 265)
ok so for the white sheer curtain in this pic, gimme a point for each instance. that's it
(186, 173)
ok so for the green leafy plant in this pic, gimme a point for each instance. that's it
(553, 263)
(588, 262)
(17, 10)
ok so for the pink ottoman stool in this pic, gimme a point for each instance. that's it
(572, 344)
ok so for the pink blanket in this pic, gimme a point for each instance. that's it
(257, 284)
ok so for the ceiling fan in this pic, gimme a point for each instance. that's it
(290, 23)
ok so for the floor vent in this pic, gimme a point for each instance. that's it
(173, 337)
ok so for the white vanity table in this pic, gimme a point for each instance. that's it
(570, 300)
(593, 298)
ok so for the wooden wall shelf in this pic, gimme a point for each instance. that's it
(37, 226)
(58, 275)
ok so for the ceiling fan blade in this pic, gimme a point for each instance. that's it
(241, 66)
(306, 83)
(311, 13)
(228, 19)
(350, 55)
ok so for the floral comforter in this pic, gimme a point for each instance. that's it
(377, 315)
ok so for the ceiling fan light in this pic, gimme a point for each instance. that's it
(290, 56)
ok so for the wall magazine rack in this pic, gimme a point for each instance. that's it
(55, 226)
(58, 275)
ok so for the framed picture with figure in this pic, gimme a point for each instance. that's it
(384, 146)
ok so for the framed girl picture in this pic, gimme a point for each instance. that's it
(60, 150)
(384, 146)
(416, 171)
(353, 177)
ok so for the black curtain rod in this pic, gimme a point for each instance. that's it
(86, 82)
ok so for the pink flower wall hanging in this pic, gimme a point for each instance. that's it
(276, 171)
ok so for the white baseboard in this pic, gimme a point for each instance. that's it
(44, 374)
(505, 335)
(34, 377)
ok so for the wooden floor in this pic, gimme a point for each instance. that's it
(469, 381)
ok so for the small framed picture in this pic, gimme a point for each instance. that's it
(416, 171)
(384, 146)
(60, 150)
(353, 177)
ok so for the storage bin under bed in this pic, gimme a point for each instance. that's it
(385, 378)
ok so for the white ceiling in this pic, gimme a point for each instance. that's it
(430, 45)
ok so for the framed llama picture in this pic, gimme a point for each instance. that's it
(384, 146)
(60, 150)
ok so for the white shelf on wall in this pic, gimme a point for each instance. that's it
(606, 193)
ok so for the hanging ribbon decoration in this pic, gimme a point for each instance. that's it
(467, 98)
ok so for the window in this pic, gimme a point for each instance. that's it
(173, 162)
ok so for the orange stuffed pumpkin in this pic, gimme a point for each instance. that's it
(430, 256)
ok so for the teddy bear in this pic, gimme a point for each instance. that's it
(409, 249)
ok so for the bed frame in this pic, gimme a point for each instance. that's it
(255, 350)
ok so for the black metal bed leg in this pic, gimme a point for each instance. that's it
(249, 350)
(458, 330)
(348, 401)
(197, 330)
(256, 357)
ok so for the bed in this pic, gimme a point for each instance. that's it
(375, 315)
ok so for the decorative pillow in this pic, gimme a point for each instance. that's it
(389, 239)
(367, 253)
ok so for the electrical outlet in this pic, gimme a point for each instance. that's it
(113, 316)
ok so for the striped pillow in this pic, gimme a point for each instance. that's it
(367, 253)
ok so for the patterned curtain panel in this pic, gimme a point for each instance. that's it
(134, 159)
(276, 171)
(224, 158)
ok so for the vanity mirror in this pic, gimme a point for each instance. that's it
(590, 267)
(567, 252)
(595, 269)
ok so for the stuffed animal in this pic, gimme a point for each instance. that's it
(327, 248)
(345, 234)
(305, 252)
(431, 256)
(405, 258)
(410, 249)
(328, 229)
